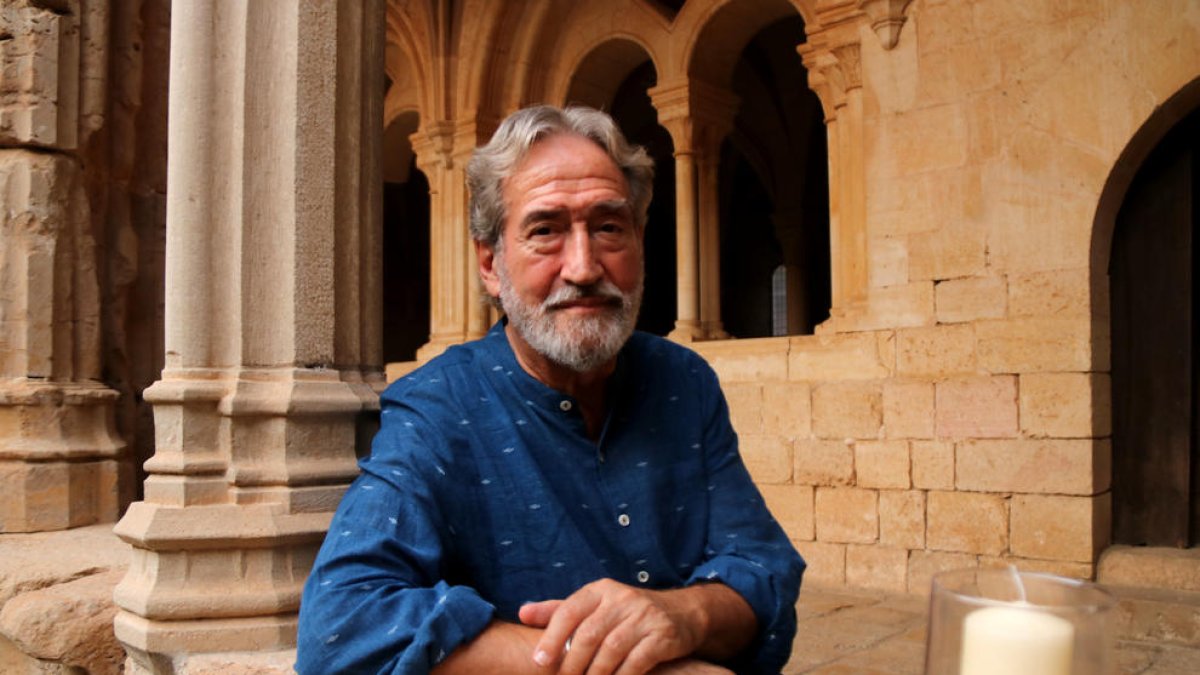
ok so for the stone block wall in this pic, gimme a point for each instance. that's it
(885, 471)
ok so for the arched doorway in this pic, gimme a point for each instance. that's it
(1155, 301)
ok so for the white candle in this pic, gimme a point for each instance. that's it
(1016, 641)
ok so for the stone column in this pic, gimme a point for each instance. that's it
(698, 116)
(671, 102)
(835, 74)
(714, 113)
(272, 321)
(62, 463)
(456, 309)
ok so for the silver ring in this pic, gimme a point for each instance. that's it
(567, 647)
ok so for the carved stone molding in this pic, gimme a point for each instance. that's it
(887, 18)
(697, 114)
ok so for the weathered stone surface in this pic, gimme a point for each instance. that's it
(970, 299)
(902, 518)
(897, 307)
(30, 562)
(908, 410)
(1151, 566)
(876, 567)
(948, 253)
(1066, 405)
(1055, 293)
(966, 522)
(923, 566)
(936, 351)
(819, 462)
(787, 409)
(847, 410)
(1062, 568)
(933, 465)
(767, 457)
(1035, 345)
(847, 515)
(238, 663)
(745, 401)
(882, 464)
(851, 356)
(69, 623)
(763, 360)
(1054, 527)
(1033, 466)
(978, 407)
(40, 57)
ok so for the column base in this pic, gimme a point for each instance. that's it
(169, 647)
(686, 332)
(438, 344)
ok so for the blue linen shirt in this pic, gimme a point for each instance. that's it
(483, 492)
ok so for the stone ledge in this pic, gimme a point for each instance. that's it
(1150, 567)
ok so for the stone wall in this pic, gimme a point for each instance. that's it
(960, 415)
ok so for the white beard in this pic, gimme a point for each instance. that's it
(581, 344)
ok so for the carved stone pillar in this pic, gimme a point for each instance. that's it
(714, 112)
(62, 463)
(272, 321)
(456, 309)
(698, 116)
(835, 74)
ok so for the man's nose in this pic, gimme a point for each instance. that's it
(580, 265)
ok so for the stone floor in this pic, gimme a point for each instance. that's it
(869, 633)
(62, 574)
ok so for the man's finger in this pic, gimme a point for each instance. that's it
(538, 614)
(561, 624)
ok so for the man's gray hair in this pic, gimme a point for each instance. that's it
(495, 162)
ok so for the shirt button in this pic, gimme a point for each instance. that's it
(564, 405)
(623, 519)
(643, 576)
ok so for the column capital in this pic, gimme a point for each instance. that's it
(448, 144)
(833, 72)
(696, 113)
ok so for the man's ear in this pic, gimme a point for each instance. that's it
(487, 268)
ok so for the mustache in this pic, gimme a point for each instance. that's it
(603, 290)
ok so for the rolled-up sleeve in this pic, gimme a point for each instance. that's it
(747, 549)
(375, 601)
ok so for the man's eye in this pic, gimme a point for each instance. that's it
(612, 228)
(541, 231)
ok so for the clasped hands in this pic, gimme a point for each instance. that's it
(621, 629)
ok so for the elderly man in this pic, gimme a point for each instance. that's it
(564, 495)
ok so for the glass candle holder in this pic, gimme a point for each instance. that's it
(1002, 622)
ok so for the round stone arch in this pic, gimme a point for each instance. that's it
(602, 70)
(715, 32)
